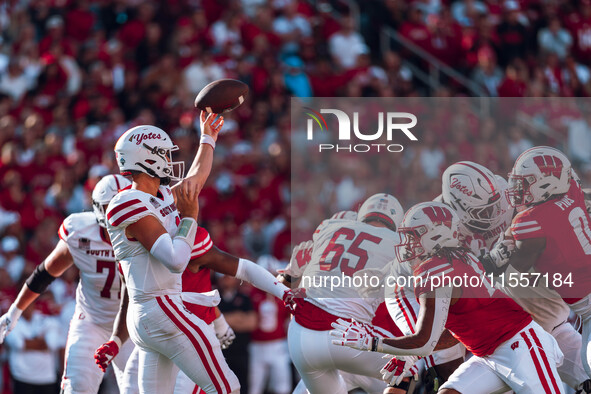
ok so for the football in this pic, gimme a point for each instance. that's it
(221, 96)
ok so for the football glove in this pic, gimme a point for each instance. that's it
(501, 251)
(289, 297)
(106, 353)
(352, 334)
(8, 321)
(398, 368)
(223, 332)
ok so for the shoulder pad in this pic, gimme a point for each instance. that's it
(128, 207)
(75, 224)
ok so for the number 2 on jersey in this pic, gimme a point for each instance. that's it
(332, 255)
(101, 265)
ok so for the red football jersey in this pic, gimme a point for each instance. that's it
(483, 317)
(199, 282)
(272, 317)
(564, 223)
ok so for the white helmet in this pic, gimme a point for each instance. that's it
(538, 174)
(103, 192)
(426, 229)
(148, 149)
(473, 192)
(345, 215)
(383, 208)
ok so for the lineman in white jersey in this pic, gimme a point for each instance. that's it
(341, 248)
(291, 275)
(479, 198)
(84, 242)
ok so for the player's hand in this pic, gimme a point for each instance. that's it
(210, 125)
(223, 332)
(8, 321)
(289, 297)
(502, 250)
(227, 338)
(105, 354)
(399, 368)
(351, 334)
(187, 200)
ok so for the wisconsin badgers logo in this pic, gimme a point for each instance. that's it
(438, 215)
(515, 345)
(456, 184)
(549, 165)
(140, 137)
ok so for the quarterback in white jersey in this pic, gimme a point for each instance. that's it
(479, 198)
(341, 248)
(152, 240)
(84, 242)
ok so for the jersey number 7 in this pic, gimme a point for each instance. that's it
(101, 265)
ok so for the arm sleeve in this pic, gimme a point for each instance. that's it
(442, 303)
(173, 253)
(260, 278)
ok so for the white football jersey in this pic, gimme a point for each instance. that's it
(342, 248)
(99, 290)
(145, 276)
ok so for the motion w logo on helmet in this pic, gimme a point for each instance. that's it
(549, 165)
(438, 215)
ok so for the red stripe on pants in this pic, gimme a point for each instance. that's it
(193, 340)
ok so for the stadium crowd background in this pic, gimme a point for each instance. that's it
(74, 75)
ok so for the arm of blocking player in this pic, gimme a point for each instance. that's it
(242, 269)
(434, 308)
(54, 266)
(201, 166)
(526, 253)
(430, 325)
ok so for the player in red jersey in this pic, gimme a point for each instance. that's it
(478, 197)
(510, 350)
(552, 233)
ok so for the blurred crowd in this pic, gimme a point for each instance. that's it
(75, 74)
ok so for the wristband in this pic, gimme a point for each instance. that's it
(207, 139)
(187, 231)
(116, 339)
(220, 324)
(375, 344)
